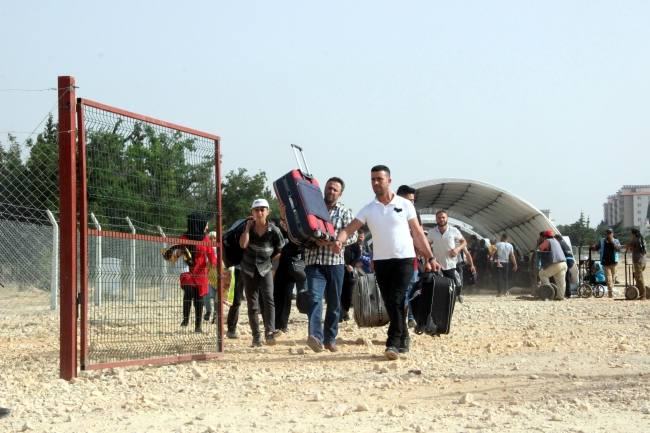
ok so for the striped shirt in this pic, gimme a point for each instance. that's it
(340, 217)
(260, 250)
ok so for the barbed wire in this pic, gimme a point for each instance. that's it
(56, 104)
(28, 90)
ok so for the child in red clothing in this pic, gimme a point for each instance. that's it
(195, 282)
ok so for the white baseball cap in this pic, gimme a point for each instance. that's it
(260, 202)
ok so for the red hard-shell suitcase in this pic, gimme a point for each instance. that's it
(307, 217)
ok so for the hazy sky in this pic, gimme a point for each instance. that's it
(548, 100)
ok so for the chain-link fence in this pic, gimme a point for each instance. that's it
(29, 191)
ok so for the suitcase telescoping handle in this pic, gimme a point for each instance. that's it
(306, 171)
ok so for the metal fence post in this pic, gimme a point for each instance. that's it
(54, 282)
(98, 263)
(132, 277)
(163, 284)
(68, 226)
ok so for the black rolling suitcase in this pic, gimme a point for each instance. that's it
(308, 219)
(369, 308)
(433, 299)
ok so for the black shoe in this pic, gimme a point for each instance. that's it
(404, 345)
(270, 340)
(214, 318)
(4, 412)
(391, 353)
(185, 322)
(232, 334)
(460, 299)
(257, 342)
(198, 329)
(206, 318)
(412, 323)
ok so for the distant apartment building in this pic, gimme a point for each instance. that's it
(630, 205)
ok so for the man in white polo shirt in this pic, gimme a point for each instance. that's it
(446, 243)
(389, 218)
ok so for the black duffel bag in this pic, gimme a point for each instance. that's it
(232, 252)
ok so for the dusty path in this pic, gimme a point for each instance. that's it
(576, 365)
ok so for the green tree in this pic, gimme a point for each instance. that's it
(579, 232)
(43, 168)
(239, 189)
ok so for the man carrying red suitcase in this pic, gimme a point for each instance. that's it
(392, 220)
(325, 269)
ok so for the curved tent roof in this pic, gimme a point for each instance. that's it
(488, 209)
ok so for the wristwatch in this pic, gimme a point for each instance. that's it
(430, 258)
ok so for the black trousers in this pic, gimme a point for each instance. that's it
(283, 284)
(346, 292)
(502, 277)
(256, 286)
(233, 312)
(191, 295)
(393, 277)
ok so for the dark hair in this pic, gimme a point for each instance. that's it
(442, 211)
(404, 190)
(559, 237)
(504, 236)
(482, 242)
(337, 179)
(380, 168)
(361, 230)
(473, 238)
(195, 232)
(637, 234)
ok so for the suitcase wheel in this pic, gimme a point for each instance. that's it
(318, 234)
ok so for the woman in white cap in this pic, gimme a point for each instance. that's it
(261, 242)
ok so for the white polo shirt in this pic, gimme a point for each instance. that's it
(391, 234)
(443, 243)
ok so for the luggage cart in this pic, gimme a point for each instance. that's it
(590, 281)
(631, 291)
(541, 291)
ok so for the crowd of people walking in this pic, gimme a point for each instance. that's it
(273, 268)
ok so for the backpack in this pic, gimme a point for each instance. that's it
(232, 252)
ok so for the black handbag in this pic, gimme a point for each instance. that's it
(297, 270)
(302, 301)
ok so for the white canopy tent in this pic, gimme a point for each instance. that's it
(489, 210)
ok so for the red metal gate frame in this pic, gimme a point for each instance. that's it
(84, 232)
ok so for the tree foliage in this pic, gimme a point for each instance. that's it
(581, 234)
(239, 190)
(155, 178)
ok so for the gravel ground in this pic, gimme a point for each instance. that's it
(578, 365)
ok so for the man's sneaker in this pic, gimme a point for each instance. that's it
(257, 342)
(314, 344)
(404, 345)
(270, 340)
(4, 412)
(412, 323)
(185, 322)
(460, 299)
(391, 353)
(285, 330)
(232, 334)
(206, 318)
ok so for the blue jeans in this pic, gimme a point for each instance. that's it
(408, 294)
(324, 281)
(208, 299)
